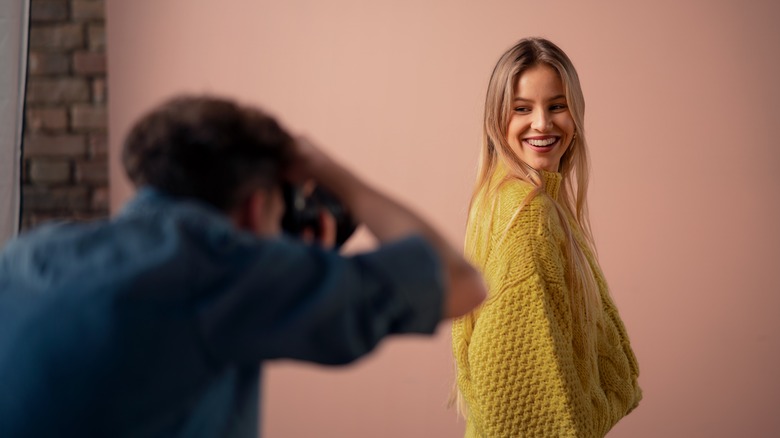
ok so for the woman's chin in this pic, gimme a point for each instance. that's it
(544, 165)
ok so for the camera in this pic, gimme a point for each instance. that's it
(302, 212)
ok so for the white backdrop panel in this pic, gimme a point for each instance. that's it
(14, 23)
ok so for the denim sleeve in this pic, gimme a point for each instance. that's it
(287, 300)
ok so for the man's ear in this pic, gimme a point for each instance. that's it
(250, 214)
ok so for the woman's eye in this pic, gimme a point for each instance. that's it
(558, 107)
(522, 109)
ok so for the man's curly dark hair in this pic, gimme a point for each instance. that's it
(207, 148)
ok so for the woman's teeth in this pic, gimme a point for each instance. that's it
(542, 143)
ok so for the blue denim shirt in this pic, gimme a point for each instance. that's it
(156, 322)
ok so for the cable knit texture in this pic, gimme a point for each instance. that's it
(522, 364)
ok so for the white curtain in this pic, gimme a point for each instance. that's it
(14, 24)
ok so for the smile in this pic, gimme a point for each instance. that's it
(541, 142)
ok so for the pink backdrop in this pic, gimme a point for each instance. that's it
(681, 119)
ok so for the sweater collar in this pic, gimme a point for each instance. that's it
(552, 180)
(552, 183)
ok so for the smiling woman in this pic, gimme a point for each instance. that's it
(547, 354)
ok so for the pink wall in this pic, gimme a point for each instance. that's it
(681, 120)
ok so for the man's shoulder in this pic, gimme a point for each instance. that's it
(57, 254)
(52, 234)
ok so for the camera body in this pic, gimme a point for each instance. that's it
(302, 212)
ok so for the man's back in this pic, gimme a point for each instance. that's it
(115, 345)
(156, 323)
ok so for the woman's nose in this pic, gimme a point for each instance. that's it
(541, 122)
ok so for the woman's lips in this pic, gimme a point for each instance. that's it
(541, 144)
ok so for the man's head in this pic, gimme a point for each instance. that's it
(213, 150)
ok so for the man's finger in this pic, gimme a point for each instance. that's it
(327, 229)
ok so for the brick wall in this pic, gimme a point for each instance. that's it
(65, 167)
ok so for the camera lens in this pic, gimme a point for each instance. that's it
(302, 212)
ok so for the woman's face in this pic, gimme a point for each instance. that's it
(540, 127)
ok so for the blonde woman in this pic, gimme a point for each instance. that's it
(547, 354)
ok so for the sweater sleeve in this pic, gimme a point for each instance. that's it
(520, 355)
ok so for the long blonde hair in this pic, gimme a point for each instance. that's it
(572, 206)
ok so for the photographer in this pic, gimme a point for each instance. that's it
(156, 322)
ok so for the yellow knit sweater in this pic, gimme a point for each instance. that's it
(521, 365)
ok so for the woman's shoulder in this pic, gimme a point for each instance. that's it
(513, 189)
(514, 194)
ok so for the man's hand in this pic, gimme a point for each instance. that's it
(325, 236)
(308, 158)
(388, 220)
